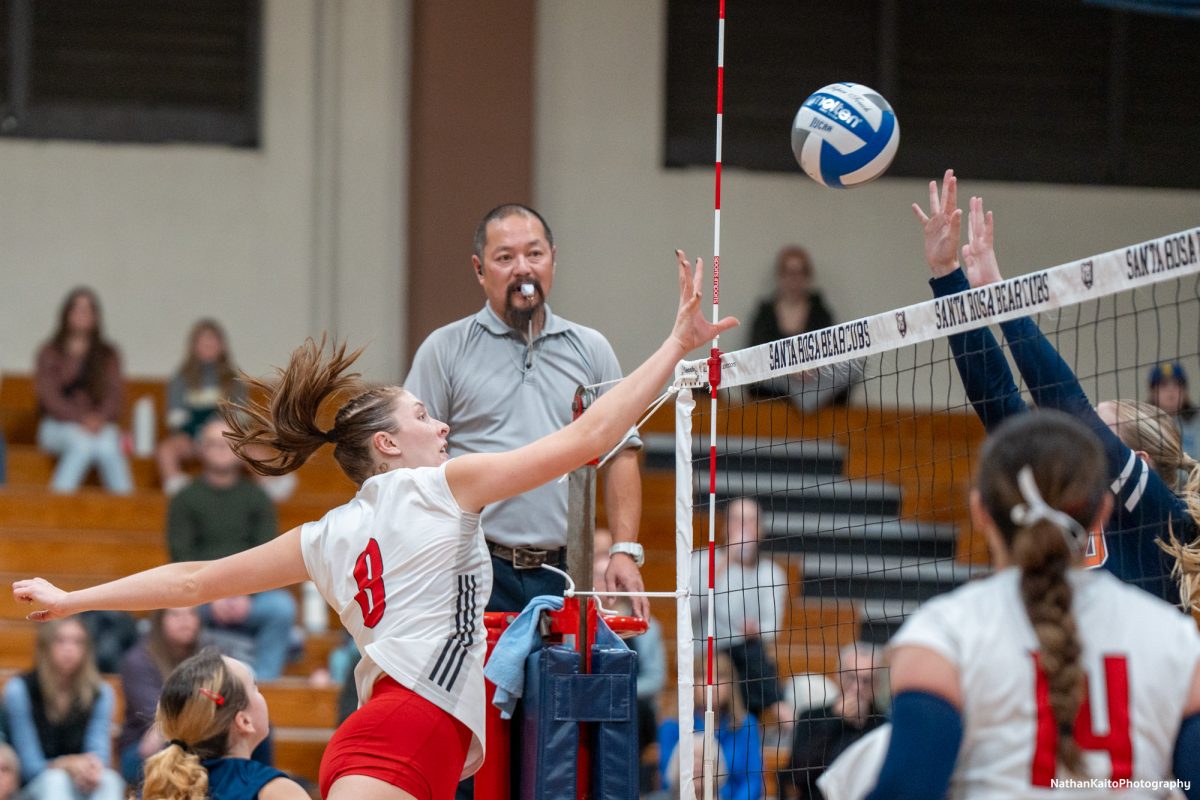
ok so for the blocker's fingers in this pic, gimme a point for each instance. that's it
(921, 216)
(698, 278)
(934, 203)
(949, 191)
(988, 226)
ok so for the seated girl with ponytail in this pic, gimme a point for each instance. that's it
(213, 716)
(1142, 448)
(997, 686)
(404, 563)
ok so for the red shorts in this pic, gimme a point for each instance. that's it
(402, 739)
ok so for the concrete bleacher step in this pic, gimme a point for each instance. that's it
(858, 534)
(803, 493)
(750, 454)
(829, 575)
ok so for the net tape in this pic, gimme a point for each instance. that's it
(1144, 264)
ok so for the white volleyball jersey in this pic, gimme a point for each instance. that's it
(409, 574)
(1139, 654)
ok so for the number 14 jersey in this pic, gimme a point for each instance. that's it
(409, 574)
(1139, 656)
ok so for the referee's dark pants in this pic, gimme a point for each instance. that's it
(512, 589)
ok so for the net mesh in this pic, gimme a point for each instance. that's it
(841, 498)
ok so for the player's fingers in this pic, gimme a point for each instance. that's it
(921, 216)
(949, 191)
(726, 324)
(989, 226)
(934, 205)
(684, 276)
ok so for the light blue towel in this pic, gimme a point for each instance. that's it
(506, 667)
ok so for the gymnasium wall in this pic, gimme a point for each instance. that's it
(302, 234)
(308, 232)
(618, 214)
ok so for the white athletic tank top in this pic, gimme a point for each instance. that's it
(409, 574)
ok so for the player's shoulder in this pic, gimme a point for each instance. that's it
(451, 333)
(1108, 595)
(591, 337)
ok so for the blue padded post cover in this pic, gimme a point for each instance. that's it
(613, 696)
(549, 743)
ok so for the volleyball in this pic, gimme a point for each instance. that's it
(844, 135)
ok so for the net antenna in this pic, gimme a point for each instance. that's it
(714, 381)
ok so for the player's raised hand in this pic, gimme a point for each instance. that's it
(942, 225)
(979, 252)
(44, 596)
(691, 328)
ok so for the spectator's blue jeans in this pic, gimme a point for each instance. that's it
(55, 784)
(78, 450)
(272, 615)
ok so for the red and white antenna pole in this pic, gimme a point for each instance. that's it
(714, 381)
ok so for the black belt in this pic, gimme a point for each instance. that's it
(528, 557)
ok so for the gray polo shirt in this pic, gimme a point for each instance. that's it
(497, 393)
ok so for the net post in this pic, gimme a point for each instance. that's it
(581, 518)
(685, 404)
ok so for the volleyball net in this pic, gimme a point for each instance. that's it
(833, 484)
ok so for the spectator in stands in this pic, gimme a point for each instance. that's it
(737, 734)
(222, 513)
(59, 716)
(113, 633)
(174, 636)
(750, 597)
(821, 734)
(213, 716)
(1169, 391)
(795, 307)
(80, 390)
(652, 657)
(205, 378)
(10, 772)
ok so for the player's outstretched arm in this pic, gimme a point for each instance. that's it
(977, 355)
(481, 478)
(277, 563)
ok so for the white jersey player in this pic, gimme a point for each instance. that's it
(404, 563)
(1045, 676)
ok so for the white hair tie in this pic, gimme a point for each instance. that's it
(1035, 509)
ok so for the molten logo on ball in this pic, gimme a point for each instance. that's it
(844, 135)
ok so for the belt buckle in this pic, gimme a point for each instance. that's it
(528, 558)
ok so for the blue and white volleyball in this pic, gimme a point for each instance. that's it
(844, 135)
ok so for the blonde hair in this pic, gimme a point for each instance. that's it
(1186, 570)
(81, 688)
(285, 421)
(1068, 467)
(196, 711)
(1149, 429)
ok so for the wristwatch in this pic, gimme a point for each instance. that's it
(631, 549)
